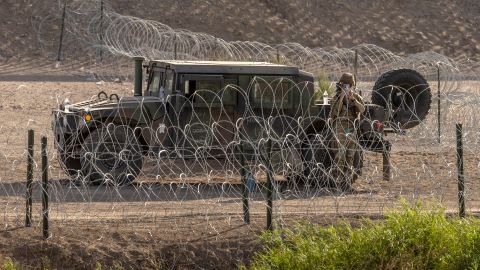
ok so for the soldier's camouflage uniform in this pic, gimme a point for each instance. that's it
(345, 115)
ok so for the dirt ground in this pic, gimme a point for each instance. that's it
(166, 223)
(409, 26)
(177, 223)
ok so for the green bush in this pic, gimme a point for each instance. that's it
(410, 238)
(323, 85)
(8, 264)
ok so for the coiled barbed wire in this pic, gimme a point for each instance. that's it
(181, 183)
(92, 30)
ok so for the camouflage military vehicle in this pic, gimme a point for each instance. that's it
(192, 104)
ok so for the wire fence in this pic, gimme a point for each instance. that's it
(90, 38)
(213, 158)
(203, 165)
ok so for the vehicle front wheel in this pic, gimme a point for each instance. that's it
(111, 154)
(70, 164)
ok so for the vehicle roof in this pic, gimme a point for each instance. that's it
(228, 67)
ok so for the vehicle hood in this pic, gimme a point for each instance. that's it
(112, 104)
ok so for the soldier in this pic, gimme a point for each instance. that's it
(345, 111)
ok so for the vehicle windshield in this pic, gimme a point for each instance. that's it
(154, 85)
(161, 83)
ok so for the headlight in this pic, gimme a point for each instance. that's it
(87, 117)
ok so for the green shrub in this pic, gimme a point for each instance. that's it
(410, 238)
(323, 85)
(8, 264)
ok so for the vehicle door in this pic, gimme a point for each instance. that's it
(272, 103)
(272, 114)
(160, 84)
(207, 114)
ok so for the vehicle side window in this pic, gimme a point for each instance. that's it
(208, 91)
(203, 91)
(270, 92)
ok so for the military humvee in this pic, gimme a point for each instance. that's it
(191, 104)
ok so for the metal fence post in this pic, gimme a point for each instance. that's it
(461, 184)
(386, 164)
(175, 48)
(44, 188)
(269, 185)
(62, 28)
(246, 209)
(438, 102)
(28, 195)
(101, 30)
(355, 70)
(355, 65)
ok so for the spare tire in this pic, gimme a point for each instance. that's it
(406, 93)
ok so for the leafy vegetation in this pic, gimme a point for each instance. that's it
(8, 264)
(413, 237)
(323, 85)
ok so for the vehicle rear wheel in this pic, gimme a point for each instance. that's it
(406, 93)
(318, 160)
(111, 154)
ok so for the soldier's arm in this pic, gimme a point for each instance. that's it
(359, 103)
(334, 106)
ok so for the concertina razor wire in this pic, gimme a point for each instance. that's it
(200, 174)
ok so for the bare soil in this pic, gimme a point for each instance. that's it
(160, 223)
(166, 223)
(447, 27)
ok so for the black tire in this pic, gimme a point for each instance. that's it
(112, 154)
(289, 161)
(407, 92)
(318, 160)
(68, 157)
(70, 164)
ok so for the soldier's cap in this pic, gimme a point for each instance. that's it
(347, 78)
